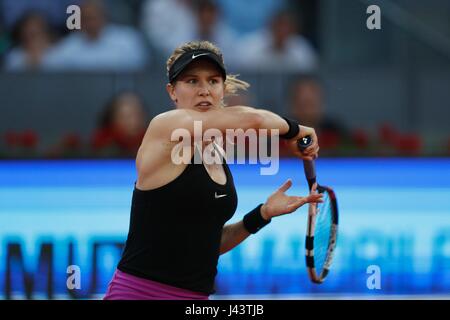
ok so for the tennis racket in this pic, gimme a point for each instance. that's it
(321, 234)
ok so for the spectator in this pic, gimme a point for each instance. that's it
(158, 23)
(248, 16)
(307, 106)
(121, 128)
(210, 27)
(32, 39)
(99, 45)
(54, 10)
(278, 49)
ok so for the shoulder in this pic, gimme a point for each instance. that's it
(300, 43)
(72, 39)
(164, 123)
(120, 32)
(170, 116)
(67, 45)
(217, 118)
(183, 116)
(257, 39)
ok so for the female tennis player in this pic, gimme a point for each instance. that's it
(178, 213)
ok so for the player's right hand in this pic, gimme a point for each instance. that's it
(310, 153)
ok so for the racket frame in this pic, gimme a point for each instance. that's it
(310, 174)
(314, 276)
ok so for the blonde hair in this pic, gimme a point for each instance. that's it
(232, 83)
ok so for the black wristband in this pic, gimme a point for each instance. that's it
(293, 129)
(253, 221)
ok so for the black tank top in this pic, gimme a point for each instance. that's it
(175, 230)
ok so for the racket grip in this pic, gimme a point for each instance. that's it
(308, 165)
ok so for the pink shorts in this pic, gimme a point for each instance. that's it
(124, 286)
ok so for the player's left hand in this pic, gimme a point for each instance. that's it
(280, 203)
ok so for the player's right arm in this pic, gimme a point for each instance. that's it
(243, 117)
(237, 117)
(157, 145)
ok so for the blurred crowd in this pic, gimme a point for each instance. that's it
(121, 126)
(128, 35)
(135, 35)
(307, 104)
(119, 130)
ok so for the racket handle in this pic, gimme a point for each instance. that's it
(308, 165)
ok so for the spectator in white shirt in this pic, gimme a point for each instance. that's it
(32, 38)
(167, 23)
(280, 48)
(99, 46)
(210, 27)
(54, 10)
(248, 16)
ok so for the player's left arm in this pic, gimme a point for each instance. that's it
(277, 204)
(232, 235)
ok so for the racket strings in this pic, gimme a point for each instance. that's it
(322, 232)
